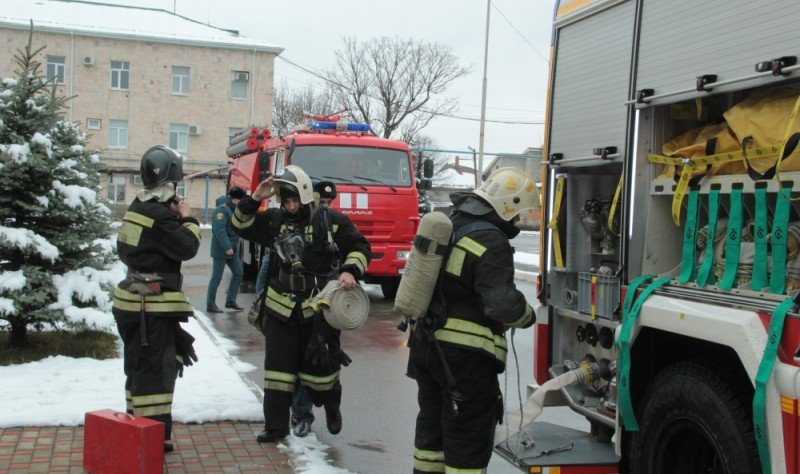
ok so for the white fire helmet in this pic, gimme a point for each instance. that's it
(295, 177)
(510, 191)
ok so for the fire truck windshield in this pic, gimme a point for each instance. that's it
(369, 166)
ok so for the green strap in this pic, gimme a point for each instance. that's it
(762, 377)
(630, 293)
(706, 276)
(688, 268)
(760, 230)
(733, 241)
(624, 403)
(780, 229)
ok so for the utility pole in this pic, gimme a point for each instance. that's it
(479, 169)
(474, 164)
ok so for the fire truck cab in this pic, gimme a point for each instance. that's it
(376, 183)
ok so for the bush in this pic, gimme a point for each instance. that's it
(90, 343)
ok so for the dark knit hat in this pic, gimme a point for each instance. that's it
(237, 193)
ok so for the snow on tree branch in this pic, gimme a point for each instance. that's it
(75, 195)
(43, 141)
(17, 153)
(7, 307)
(12, 281)
(26, 240)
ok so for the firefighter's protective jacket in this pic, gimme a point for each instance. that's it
(478, 287)
(318, 260)
(153, 240)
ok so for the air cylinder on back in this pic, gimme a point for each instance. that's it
(422, 267)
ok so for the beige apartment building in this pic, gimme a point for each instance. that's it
(142, 77)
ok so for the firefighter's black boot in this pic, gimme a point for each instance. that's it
(333, 417)
(269, 436)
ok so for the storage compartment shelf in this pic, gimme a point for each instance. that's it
(571, 313)
(666, 186)
(586, 161)
(582, 403)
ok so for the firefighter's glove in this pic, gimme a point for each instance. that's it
(179, 362)
(317, 351)
(337, 355)
(323, 348)
(184, 349)
(500, 410)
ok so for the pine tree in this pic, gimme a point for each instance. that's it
(50, 214)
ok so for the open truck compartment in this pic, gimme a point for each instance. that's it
(600, 255)
(656, 113)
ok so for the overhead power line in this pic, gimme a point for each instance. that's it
(519, 32)
(438, 114)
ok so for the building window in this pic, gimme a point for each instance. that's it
(179, 136)
(180, 80)
(116, 188)
(180, 189)
(118, 134)
(94, 123)
(233, 131)
(239, 84)
(120, 75)
(56, 68)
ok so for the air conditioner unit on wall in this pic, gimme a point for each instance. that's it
(241, 76)
(88, 60)
(195, 130)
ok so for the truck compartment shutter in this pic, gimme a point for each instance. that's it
(676, 47)
(592, 77)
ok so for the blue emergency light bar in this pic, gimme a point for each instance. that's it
(351, 127)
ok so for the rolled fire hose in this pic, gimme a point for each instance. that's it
(342, 309)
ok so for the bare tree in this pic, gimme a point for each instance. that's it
(397, 85)
(289, 105)
(440, 160)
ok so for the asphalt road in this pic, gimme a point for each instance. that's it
(379, 403)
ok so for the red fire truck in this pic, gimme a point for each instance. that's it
(375, 180)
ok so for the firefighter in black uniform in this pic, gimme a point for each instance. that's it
(458, 349)
(158, 232)
(313, 245)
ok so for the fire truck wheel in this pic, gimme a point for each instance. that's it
(693, 420)
(389, 287)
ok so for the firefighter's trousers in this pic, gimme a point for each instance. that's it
(444, 439)
(150, 371)
(286, 342)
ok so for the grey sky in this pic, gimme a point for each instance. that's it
(310, 31)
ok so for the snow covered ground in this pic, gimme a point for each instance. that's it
(60, 390)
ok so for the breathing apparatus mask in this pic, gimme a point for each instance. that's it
(289, 247)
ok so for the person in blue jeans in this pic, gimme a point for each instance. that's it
(225, 251)
(302, 406)
(261, 280)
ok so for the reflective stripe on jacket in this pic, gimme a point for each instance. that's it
(264, 227)
(481, 298)
(166, 302)
(154, 240)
